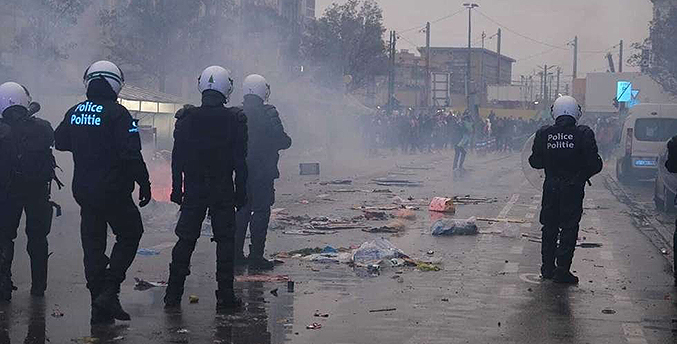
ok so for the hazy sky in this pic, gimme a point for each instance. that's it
(599, 24)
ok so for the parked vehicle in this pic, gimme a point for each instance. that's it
(643, 138)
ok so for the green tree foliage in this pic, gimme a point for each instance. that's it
(43, 33)
(154, 39)
(658, 53)
(348, 40)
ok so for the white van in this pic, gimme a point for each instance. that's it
(643, 137)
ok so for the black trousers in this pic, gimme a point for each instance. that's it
(459, 157)
(255, 216)
(193, 212)
(561, 212)
(34, 201)
(122, 215)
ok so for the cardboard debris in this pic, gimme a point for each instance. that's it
(442, 205)
(406, 214)
(395, 226)
(262, 278)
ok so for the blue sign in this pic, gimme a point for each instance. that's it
(624, 91)
(634, 101)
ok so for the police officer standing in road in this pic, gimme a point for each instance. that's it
(106, 147)
(671, 165)
(25, 184)
(568, 153)
(266, 138)
(210, 145)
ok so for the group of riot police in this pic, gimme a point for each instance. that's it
(224, 163)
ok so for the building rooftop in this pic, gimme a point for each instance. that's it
(464, 50)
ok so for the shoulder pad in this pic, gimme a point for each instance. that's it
(585, 129)
(241, 117)
(184, 111)
(271, 110)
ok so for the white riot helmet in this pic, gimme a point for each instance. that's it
(216, 78)
(258, 86)
(13, 94)
(566, 106)
(108, 71)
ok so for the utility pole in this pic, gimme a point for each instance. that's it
(426, 103)
(575, 57)
(559, 72)
(391, 72)
(469, 6)
(482, 86)
(498, 64)
(550, 96)
(620, 60)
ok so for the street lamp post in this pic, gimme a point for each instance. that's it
(469, 6)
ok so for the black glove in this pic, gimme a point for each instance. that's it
(240, 198)
(144, 195)
(176, 197)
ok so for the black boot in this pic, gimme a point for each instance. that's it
(100, 316)
(256, 260)
(564, 276)
(174, 290)
(260, 263)
(227, 301)
(109, 301)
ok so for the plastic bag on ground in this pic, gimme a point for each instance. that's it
(373, 252)
(455, 227)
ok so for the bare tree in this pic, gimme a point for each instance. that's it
(658, 53)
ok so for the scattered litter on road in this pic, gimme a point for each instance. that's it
(427, 267)
(274, 292)
(193, 299)
(337, 182)
(373, 252)
(147, 252)
(664, 251)
(396, 262)
(376, 208)
(468, 200)
(145, 285)
(290, 286)
(321, 315)
(262, 278)
(302, 252)
(381, 191)
(589, 245)
(314, 326)
(484, 219)
(375, 215)
(454, 227)
(445, 300)
(396, 182)
(306, 232)
(182, 331)
(395, 226)
(382, 310)
(507, 229)
(608, 311)
(430, 253)
(57, 313)
(442, 205)
(87, 340)
(406, 214)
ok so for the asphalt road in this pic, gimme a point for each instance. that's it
(487, 291)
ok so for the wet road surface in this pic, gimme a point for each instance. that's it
(488, 290)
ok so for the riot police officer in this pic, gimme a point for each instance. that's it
(106, 147)
(266, 138)
(568, 153)
(25, 184)
(671, 165)
(210, 145)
